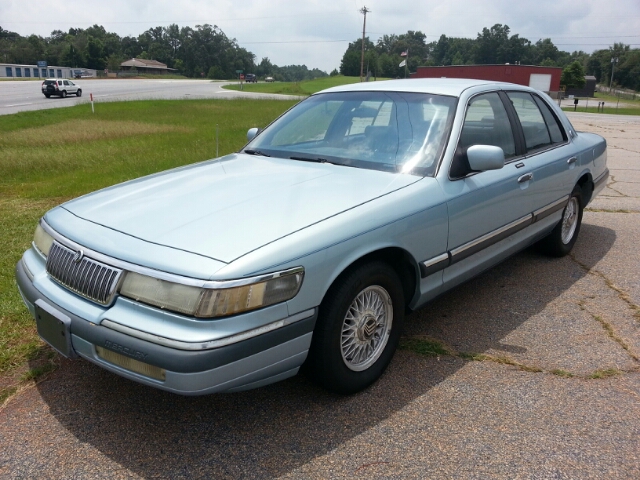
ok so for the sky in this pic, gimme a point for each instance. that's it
(316, 33)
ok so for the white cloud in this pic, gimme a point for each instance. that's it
(316, 33)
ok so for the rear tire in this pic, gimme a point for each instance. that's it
(79, 93)
(358, 329)
(565, 234)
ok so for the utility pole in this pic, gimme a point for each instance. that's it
(614, 60)
(363, 11)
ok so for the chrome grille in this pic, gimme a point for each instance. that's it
(85, 276)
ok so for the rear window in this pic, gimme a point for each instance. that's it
(49, 82)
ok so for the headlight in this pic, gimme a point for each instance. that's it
(42, 240)
(203, 302)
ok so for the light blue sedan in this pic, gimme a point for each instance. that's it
(307, 247)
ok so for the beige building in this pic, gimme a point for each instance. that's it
(143, 65)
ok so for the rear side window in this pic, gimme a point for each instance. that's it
(556, 131)
(540, 127)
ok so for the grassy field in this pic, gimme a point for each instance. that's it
(296, 88)
(50, 156)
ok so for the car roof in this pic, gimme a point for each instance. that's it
(439, 86)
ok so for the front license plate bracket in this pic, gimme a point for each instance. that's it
(54, 327)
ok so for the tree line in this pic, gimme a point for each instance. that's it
(203, 51)
(493, 45)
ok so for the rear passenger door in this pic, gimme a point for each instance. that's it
(547, 155)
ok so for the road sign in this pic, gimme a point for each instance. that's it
(42, 64)
(239, 71)
(241, 76)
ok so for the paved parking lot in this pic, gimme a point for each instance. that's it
(555, 394)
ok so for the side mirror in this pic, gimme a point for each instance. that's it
(251, 133)
(485, 157)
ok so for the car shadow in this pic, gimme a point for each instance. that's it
(273, 430)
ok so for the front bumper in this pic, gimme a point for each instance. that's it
(240, 365)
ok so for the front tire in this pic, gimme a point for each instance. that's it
(565, 234)
(79, 93)
(64, 94)
(358, 329)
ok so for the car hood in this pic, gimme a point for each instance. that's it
(227, 208)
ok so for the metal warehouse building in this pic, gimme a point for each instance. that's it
(546, 79)
(17, 70)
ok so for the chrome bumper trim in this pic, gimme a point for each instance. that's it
(207, 345)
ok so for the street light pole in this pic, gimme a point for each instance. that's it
(614, 60)
(364, 11)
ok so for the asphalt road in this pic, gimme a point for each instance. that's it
(17, 96)
(531, 409)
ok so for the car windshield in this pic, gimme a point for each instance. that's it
(390, 131)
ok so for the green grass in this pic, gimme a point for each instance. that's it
(50, 156)
(609, 110)
(424, 346)
(296, 88)
(613, 99)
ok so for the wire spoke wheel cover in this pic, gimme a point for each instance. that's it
(570, 220)
(366, 328)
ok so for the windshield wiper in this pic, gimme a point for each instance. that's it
(313, 159)
(256, 152)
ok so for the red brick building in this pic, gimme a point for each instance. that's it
(546, 79)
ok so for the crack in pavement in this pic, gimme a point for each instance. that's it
(621, 294)
(412, 343)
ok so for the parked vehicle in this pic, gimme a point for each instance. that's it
(268, 79)
(60, 87)
(310, 244)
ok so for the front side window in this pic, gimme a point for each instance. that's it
(485, 123)
(391, 131)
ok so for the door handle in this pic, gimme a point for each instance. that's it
(525, 178)
(572, 160)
